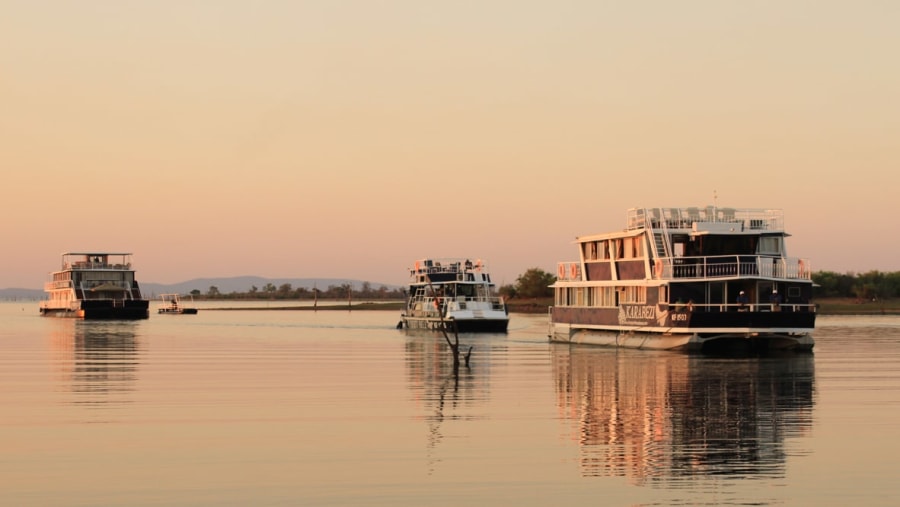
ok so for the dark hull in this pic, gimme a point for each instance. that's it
(684, 320)
(178, 311)
(481, 326)
(105, 309)
(461, 326)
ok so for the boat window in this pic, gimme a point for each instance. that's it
(633, 295)
(561, 297)
(603, 297)
(770, 245)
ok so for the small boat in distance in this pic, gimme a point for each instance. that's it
(696, 279)
(171, 305)
(94, 285)
(457, 293)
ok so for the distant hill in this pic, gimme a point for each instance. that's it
(21, 294)
(225, 286)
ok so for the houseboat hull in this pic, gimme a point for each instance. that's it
(750, 341)
(648, 327)
(101, 310)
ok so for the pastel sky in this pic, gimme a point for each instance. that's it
(349, 138)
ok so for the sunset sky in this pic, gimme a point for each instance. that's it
(345, 139)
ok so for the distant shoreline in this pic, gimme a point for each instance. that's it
(827, 306)
(390, 305)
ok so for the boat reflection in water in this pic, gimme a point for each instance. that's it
(664, 418)
(444, 395)
(97, 359)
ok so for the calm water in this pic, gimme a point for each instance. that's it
(340, 408)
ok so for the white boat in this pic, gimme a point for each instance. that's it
(171, 305)
(94, 285)
(457, 293)
(695, 279)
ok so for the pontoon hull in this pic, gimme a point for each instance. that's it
(102, 309)
(178, 311)
(484, 325)
(722, 342)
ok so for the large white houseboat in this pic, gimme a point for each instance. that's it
(456, 293)
(695, 279)
(98, 285)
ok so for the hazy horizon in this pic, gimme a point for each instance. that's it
(347, 139)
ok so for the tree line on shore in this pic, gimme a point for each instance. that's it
(535, 283)
(868, 286)
(288, 291)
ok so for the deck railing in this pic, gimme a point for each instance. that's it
(734, 307)
(722, 266)
(730, 266)
(685, 218)
(428, 305)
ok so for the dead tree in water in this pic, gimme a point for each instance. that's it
(454, 344)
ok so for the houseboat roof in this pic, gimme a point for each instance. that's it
(96, 253)
(96, 261)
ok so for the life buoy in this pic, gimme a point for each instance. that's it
(561, 271)
(658, 268)
(417, 266)
(573, 270)
(802, 269)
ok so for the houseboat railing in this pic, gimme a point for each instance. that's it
(684, 218)
(459, 266)
(734, 307)
(730, 266)
(722, 266)
(87, 287)
(57, 285)
(429, 304)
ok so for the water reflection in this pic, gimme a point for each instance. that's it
(443, 394)
(97, 359)
(667, 417)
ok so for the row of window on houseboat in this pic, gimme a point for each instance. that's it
(602, 297)
(617, 248)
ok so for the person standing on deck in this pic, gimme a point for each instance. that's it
(775, 300)
(742, 302)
